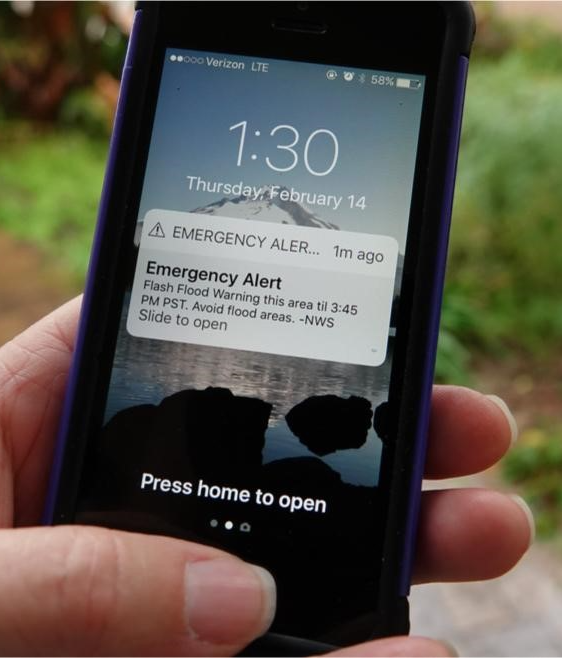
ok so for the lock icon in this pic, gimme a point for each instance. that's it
(245, 527)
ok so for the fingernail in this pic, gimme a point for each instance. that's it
(508, 415)
(450, 648)
(228, 601)
(528, 513)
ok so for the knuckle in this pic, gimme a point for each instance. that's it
(87, 583)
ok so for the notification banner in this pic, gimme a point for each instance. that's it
(264, 287)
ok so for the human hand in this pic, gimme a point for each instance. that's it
(86, 591)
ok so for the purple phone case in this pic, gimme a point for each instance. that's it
(420, 440)
(92, 268)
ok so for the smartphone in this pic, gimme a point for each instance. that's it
(255, 355)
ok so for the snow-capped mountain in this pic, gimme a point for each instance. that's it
(266, 208)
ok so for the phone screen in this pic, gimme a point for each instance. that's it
(253, 358)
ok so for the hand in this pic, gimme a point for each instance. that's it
(76, 590)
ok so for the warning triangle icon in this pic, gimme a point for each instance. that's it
(157, 231)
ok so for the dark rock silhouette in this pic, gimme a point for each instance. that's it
(190, 434)
(380, 421)
(326, 423)
(215, 426)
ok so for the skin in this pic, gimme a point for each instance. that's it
(91, 591)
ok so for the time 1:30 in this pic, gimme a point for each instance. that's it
(288, 140)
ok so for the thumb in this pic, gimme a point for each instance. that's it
(91, 591)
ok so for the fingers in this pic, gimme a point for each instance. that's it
(33, 373)
(397, 646)
(468, 432)
(88, 591)
(470, 534)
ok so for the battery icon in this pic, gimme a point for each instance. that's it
(407, 83)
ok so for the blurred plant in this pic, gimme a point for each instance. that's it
(453, 357)
(535, 465)
(84, 109)
(503, 289)
(531, 38)
(50, 184)
(48, 49)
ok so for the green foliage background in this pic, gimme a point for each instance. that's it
(50, 186)
(505, 261)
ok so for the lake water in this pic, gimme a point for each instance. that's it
(145, 371)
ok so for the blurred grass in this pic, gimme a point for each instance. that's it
(50, 183)
(505, 263)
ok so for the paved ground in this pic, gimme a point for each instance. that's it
(519, 614)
